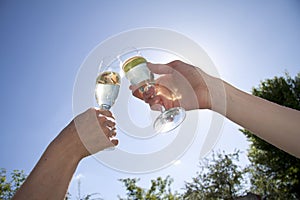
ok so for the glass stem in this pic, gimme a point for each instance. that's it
(147, 87)
(104, 107)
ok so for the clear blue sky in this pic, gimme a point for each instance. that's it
(43, 44)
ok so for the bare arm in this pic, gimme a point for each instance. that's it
(52, 174)
(274, 123)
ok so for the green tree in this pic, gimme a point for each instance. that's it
(274, 173)
(160, 189)
(219, 178)
(10, 184)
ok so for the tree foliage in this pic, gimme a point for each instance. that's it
(10, 184)
(275, 173)
(219, 178)
(160, 189)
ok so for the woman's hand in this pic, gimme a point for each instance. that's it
(180, 84)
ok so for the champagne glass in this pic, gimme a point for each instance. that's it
(137, 72)
(107, 89)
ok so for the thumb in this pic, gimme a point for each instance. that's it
(160, 68)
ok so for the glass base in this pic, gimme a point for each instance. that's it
(169, 120)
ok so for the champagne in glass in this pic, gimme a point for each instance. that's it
(137, 72)
(107, 89)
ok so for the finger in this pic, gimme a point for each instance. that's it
(105, 125)
(153, 100)
(167, 104)
(133, 87)
(110, 124)
(149, 93)
(107, 132)
(155, 103)
(156, 107)
(137, 93)
(115, 141)
(107, 113)
(102, 120)
(160, 68)
(113, 132)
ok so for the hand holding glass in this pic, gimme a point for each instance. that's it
(107, 90)
(137, 72)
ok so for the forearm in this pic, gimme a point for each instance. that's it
(275, 124)
(51, 176)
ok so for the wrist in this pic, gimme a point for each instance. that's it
(68, 144)
(216, 98)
